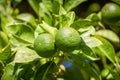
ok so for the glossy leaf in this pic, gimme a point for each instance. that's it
(92, 42)
(94, 18)
(87, 51)
(9, 72)
(81, 23)
(108, 34)
(25, 55)
(106, 49)
(70, 4)
(22, 30)
(17, 41)
(88, 36)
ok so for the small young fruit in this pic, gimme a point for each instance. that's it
(44, 45)
(67, 39)
(110, 13)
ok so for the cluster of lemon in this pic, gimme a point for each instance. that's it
(67, 39)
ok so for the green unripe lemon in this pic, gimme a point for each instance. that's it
(44, 45)
(67, 39)
(110, 13)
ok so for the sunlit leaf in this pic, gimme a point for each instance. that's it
(49, 29)
(92, 42)
(81, 23)
(25, 55)
(9, 72)
(108, 34)
(106, 49)
(67, 20)
(88, 51)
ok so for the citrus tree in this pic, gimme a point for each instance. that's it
(52, 42)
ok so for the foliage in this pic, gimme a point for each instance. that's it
(97, 57)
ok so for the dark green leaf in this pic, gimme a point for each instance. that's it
(85, 67)
(5, 53)
(70, 4)
(44, 70)
(35, 5)
(117, 1)
(3, 40)
(105, 49)
(26, 72)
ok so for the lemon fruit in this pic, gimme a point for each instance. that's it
(110, 13)
(67, 39)
(44, 45)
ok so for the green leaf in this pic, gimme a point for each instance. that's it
(117, 1)
(81, 23)
(9, 72)
(5, 53)
(25, 72)
(70, 4)
(15, 2)
(45, 7)
(92, 42)
(38, 31)
(25, 55)
(48, 28)
(35, 5)
(26, 17)
(105, 49)
(62, 11)
(87, 51)
(87, 31)
(94, 18)
(115, 26)
(67, 19)
(41, 73)
(56, 3)
(88, 36)
(22, 30)
(108, 34)
(86, 68)
(17, 41)
(3, 40)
